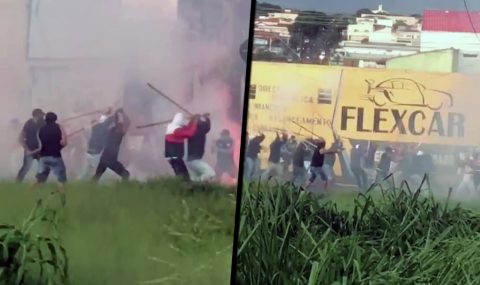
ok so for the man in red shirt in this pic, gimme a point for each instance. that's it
(177, 132)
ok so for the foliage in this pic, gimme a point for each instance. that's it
(393, 237)
(363, 11)
(315, 32)
(263, 8)
(28, 257)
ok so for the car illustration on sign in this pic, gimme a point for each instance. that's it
(407, 92)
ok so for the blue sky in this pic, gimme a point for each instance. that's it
(392, 6)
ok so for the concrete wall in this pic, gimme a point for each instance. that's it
(439, 61)
(448, 60)
(13, 63)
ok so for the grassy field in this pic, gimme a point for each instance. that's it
(374, 238)
(154, 233)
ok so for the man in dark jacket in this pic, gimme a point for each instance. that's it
(51, 140)
(383, 168)
(251, 155)
(109, 157)
(199, 170)
(96, 144)
(299, 170)
(28, 140)
(275, 166)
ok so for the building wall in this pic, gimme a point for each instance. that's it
(467, 42)
(468, 63)
(383, 36)
(13, 63)
(440, 61)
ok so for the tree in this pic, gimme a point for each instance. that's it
(262, 9)
(363, 11)
(316, 32)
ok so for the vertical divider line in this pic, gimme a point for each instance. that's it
(251, 36)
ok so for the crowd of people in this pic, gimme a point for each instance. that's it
(302, 162)
(43, 139)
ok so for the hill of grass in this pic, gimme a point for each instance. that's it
(385, 237)
(161, 232)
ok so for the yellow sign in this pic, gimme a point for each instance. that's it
(284, 97)
(362, 104)
(386, 105)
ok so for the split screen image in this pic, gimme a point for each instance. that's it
(239, 142)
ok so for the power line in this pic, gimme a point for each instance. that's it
(470, 19)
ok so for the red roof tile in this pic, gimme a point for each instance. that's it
(450, 21)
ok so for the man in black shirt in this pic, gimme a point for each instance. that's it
(275, 166)
(28, 140)
(224, 147)
(96, 144)
(251, 156)
(109, 157)
(199, 170)
(316, 167)
(51, 140)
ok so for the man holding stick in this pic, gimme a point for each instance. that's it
(52, 138)
(28, 140)
(177, 132)
(316, 167)
(96, 144)
(199, 170)
(109, 157)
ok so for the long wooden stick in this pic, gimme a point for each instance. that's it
(169, 99)
(153, 124)
(81, 116)
(75, 132)
(305, 129)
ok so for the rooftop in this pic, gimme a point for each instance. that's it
(451, 21)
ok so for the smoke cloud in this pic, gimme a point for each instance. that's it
(79, 56)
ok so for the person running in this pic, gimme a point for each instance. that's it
(251, 156)
(330, 159)
(357, 165)
(177, 132)
(109, 157)
(383, 168)
(422, 165)
(299, 171)
(467, 187)
(28, 140)
(288, 151)
(316, 166)
(51, 140)
(96, 144)
(199, 170)
(224, 147)
(275, 165)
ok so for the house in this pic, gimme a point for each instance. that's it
(451, 29)
(443, 30)
(372, 54)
